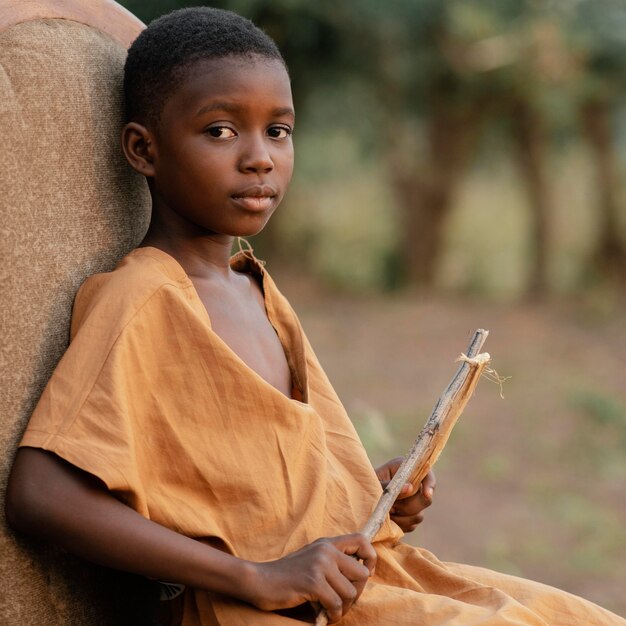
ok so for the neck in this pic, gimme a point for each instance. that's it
(201, 255)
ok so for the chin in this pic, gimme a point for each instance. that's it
(251, 229)
(249, 233)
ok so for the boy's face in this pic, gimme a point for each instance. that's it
(223, 152)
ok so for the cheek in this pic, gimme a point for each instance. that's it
(201, 175)
(181, 185)
(285, 164)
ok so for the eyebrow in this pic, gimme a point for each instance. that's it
(230, 107)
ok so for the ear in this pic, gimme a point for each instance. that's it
(139, 148)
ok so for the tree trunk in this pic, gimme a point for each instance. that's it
(529, 134)
(425, 192)
(610, 253)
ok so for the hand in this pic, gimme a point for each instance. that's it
(323, 571)
(408, 509)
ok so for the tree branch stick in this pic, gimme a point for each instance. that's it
(432, 438)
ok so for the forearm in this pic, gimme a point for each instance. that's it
(51, 499)
(48, 498)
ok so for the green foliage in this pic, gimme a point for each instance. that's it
(592, 529)
(602, 411)
(367, 78)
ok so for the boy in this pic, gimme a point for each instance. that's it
(189, 434)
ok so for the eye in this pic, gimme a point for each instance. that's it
(279, 132)
(221, 132)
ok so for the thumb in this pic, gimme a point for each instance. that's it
(407, 491)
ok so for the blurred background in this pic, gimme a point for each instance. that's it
(461, 164)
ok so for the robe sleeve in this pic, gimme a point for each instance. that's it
(94, 410)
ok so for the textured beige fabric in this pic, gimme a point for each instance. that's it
(69, 207)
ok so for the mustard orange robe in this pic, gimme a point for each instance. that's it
(151, 401)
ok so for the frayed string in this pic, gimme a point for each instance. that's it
(245, 248)
(489, 373)
(242, 248)
(493, 376)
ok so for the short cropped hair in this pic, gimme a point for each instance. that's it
(159, 57)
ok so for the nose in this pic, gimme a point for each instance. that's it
(256, 156)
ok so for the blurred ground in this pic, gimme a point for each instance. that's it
(533, 484)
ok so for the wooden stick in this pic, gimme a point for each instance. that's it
(432, 438)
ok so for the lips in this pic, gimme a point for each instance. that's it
(255, 198)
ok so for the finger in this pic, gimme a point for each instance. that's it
(359, 546)
(427, 488)
(331, 601)
(344, 588)
(408, 523)
(353, 570)
(407, 491)
(367, 554)
(415, 502)
(412, 506)
(358, 576)
(359, 586)
(386, 471)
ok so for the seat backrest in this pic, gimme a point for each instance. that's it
(69, 206)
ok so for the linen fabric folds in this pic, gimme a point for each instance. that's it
(151, 401)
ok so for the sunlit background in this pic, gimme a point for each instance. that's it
(460, 164)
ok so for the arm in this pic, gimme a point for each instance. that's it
(408, 509)
(49, 498)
